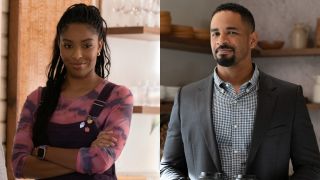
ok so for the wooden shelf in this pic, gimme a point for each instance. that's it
(146, 110)
(135, 32)
(167, 106)
(288, 52)
(313, 106)
(192, 45)
(203, 46)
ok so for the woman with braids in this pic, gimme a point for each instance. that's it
(77, 125)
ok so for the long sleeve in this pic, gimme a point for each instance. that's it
(304, 149)
(23, 145)
(173, 163)
(119, 107)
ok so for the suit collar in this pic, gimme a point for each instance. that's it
(204, 109)
(266, 102)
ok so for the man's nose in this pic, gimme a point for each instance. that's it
(222, 39)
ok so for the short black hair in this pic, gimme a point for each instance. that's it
(245, 14)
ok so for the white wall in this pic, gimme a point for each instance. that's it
(134, 62)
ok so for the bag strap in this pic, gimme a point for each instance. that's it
(99, 103)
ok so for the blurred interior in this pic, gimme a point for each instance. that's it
(27, 32)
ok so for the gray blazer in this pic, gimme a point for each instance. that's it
(282, 130)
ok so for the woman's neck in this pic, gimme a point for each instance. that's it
(75, 87)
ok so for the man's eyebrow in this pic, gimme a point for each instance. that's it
(214, 30)
(228, 28)
(232, 28)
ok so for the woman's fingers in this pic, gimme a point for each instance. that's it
(101, 144)
(105, 139)
(108, 137)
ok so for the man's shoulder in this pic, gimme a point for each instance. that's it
(278, 83)
(198, 84)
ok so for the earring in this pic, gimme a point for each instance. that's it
(98, 54)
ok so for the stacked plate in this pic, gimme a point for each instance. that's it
(202, 34)
(165, 22)
(182, 31)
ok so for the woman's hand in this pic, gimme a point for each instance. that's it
(104, 139)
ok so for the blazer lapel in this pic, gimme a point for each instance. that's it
(266, 103)
(204, 109)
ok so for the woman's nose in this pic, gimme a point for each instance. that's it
(77, 53)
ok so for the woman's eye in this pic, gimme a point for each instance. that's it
(67, 46)
(87, 45)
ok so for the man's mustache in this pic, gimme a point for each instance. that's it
(224, 46)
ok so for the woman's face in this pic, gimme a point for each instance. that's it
(79, 48)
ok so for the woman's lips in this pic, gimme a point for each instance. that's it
(78, 66)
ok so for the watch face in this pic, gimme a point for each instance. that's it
(40, 153)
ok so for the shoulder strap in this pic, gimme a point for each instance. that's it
(99, 103)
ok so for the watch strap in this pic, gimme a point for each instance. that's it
(41, 152)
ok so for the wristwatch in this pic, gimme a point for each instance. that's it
(41, 152)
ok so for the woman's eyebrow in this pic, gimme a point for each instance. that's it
(68, 40)
(88, 39)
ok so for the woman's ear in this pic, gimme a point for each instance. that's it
(253, 40)
(100, 45)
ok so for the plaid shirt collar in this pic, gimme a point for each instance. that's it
(250, 85)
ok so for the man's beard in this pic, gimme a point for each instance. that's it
(224, 60)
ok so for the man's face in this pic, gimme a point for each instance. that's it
(231, 38)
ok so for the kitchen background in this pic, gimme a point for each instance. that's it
(275, 20)
(135, 54)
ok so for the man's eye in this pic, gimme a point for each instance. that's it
(215, 34)
(233, 33)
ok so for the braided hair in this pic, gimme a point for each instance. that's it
(77, 13)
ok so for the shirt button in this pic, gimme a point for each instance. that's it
(235, 126)
(222, 91)
(235, 151)
(247, 90)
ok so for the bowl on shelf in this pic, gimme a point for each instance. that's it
(270, 45)
(165, 22)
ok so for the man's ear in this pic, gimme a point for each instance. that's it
(253, 40)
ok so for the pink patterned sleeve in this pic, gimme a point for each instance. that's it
(119, 107)
(23, 145)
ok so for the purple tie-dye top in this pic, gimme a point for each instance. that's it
(116, 116)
